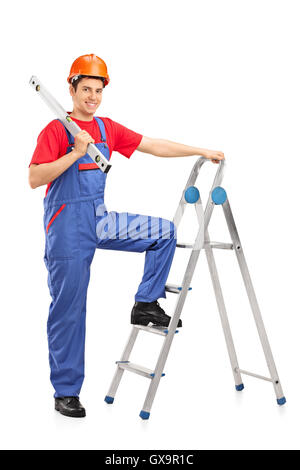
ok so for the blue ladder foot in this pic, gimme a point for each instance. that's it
(109, 400)
(281, 401)
(240, 387)
(144, 414)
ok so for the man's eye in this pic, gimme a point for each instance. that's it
(99, 91)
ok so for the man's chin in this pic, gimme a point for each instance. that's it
(90, 112)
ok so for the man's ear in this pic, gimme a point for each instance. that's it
(72, 91)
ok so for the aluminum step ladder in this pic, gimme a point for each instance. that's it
(191, 195)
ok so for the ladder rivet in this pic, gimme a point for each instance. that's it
(38, 88)
(238, 247)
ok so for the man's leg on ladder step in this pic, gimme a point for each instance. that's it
(139, 233)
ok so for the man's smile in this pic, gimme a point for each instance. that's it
(91, 104)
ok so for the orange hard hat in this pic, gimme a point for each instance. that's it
(90, 65)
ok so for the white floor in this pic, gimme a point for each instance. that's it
(196, 406)
(218, 420)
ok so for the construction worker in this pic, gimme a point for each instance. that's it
(77, 222)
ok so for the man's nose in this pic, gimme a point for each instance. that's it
(93, 96)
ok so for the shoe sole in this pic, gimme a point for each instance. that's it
(78, 414)
(145, 322)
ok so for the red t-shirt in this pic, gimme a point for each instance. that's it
(52, 142)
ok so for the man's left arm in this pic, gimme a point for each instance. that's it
(166, 148)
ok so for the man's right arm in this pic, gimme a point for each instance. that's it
(44, 173)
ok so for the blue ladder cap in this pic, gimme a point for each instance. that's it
(144, 414)
(240, 387)
(192, 194)
(219, 195)
(281, 401)
(109, 399)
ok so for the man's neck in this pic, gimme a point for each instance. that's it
(81, 116)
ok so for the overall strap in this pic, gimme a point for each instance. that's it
(69, 135)
(102, 128)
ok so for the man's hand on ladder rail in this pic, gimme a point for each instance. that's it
(214, 155)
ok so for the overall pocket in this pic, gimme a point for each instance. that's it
(61, 229)
(91, 179)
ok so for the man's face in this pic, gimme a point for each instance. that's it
(88, 95)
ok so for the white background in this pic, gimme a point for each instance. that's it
(213, 74)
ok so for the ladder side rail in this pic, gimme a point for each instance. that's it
(125, 357)
(196, 170)
(191, 181)
(164, 352)
(129, 346)
(252, 299)
(222, 311)
(203, 220)
(178, 309)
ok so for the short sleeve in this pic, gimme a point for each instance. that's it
(51, 144)
(125, 141)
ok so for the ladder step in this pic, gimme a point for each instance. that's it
(158, 330)
(140, 370)
(184, 245)
(174, 288)
(251, 374)
(220, 245)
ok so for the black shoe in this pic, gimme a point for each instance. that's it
(145, 312)
(70, 406)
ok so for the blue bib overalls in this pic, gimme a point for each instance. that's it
(76, 222)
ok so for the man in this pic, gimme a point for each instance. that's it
(76, 223)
